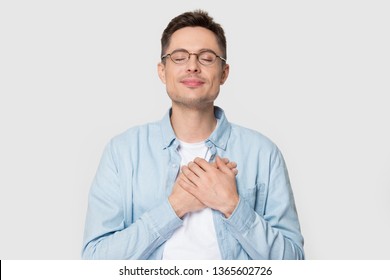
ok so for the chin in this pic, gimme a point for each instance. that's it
(193, 104)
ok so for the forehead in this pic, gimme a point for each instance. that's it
(193, 39)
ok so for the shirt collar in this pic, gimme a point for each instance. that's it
(219, 137)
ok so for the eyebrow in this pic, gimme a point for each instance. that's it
(201, 50)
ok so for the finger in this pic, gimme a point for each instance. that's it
(225, 160)
(231, 165)
(235, 171)
(184, 179)
(186, 184)
(195, 168)
(206, 166)
(190, 175)
(222, 166)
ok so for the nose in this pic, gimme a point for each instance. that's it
(193, 64)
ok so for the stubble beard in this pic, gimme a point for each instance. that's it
(192, 103)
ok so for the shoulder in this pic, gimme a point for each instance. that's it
(136, 134)
(256, 147)
(251, 137)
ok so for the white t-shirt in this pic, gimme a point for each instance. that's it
(196, 239)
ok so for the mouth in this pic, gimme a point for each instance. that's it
(192, 82)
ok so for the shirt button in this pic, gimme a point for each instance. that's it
(174, 166)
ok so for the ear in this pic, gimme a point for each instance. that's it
(225, 73)
(161, 72)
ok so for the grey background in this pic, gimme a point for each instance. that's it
(311, 75)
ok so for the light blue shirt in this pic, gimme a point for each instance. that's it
(129, 216)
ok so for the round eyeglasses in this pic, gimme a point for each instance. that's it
(205, 57)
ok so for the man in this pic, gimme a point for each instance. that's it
(172, 190)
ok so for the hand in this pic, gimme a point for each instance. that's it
(213, 185)
(182, 201)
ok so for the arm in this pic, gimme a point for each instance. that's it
(272, 232)
(106, 234)
(269, 233)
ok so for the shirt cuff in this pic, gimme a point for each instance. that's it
(164, 219)
(242, 217)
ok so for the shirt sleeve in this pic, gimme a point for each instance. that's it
(106, 235)
(272, 232)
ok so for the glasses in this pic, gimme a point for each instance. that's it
(205, 57)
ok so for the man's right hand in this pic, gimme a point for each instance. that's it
(182, 201)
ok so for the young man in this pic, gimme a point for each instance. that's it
(171, 189)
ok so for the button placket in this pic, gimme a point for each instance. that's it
(174, 167)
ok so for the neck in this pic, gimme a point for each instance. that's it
(193, 125)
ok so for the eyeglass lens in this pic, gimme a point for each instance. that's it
(205, 58)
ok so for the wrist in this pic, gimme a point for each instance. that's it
(230, 207)
(177, 207)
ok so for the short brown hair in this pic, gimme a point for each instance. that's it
(193, 19)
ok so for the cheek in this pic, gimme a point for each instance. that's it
(170, 80)
(170, 75)
(216, 81)
(170, 83)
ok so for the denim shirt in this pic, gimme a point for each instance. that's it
(129, 216)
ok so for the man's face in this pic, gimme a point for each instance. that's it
(192, 84)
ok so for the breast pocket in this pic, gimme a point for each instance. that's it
(254, 196)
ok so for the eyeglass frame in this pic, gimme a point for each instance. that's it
(196, 54)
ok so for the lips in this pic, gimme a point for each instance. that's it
(192, 82)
